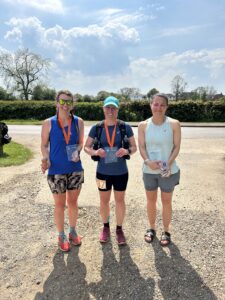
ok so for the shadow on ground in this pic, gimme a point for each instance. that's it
(67, 280)
(121, 279)
(178, 279)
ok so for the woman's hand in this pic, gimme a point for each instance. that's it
(153, 164)
(122, 152)
(100, 152)
(45, 164)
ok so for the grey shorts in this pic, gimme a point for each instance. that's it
(166, 184)
(59, 183)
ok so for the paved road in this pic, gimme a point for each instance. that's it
(187, 132)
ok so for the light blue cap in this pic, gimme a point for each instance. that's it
(111, 101)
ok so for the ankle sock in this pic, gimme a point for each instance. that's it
(73, 231)
(106, 224)
(62, 235)
(118, 227)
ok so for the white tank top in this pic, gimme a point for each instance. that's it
(159, 144)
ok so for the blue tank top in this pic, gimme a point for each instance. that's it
(159, 144)
(58, 155)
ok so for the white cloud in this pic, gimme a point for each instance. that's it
(21, 28)
(160, 71)
(51, 6)
(81, 48)
(89, 52)
(148, 73)
(14, 34)
(61, 39)
(178, 31)
(31, 22)
(109, 11)
(58, 33)
(117, 16)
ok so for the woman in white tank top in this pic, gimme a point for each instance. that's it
(159, 139)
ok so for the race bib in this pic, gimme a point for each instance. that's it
(101, 184)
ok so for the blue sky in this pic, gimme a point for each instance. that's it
(108, 45)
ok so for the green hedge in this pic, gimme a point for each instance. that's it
(184, 111)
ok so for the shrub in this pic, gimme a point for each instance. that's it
(184, 111)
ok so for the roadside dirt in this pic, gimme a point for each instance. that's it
(191, 268)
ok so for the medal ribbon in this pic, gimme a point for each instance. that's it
(110, 141)
(66, 135)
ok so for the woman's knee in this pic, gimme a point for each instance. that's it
(72, 202)
(59, 205)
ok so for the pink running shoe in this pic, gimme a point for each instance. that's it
(121, 240)
(104, 235)
(75, 240)
(63, 243)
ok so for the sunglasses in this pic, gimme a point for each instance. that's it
(67, 102)
(110, 108)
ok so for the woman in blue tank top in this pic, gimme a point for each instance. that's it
(159, 143)
(61, 142)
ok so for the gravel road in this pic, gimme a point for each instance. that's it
(192, 267)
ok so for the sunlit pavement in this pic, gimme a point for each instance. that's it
(194, 131)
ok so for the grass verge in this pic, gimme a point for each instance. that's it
(14, 154)
(22, 122)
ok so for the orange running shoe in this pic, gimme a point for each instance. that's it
(75, 240)
(63, 243)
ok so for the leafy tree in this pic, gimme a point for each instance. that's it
(102, 95)
(37, 93)
(87, 98)
(49, 94)
(22, 70)
(130, 93)
(78, 97)
(42, 92)
(178, 86)
(3, 93)
(152, 92)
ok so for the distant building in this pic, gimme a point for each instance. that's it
(217, 96)
(137, 97)
(171, 97)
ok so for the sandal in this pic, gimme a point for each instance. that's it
(165, 239)
(149, 235)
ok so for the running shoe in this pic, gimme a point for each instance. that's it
(63, 243)
(121, 240)
(104, 235)
(75, 240)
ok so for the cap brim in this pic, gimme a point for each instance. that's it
(110, 103)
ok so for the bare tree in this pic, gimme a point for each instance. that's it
(178, 86)
(22, 70)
